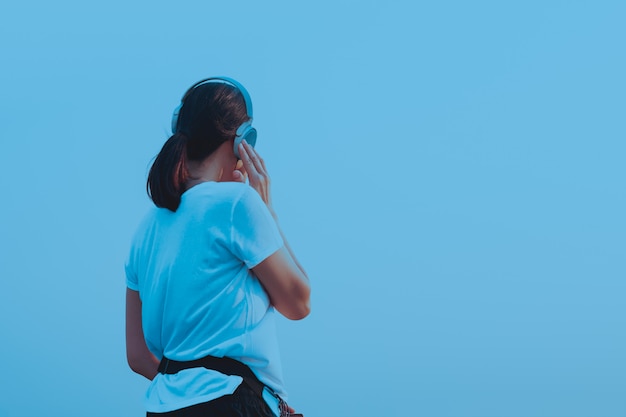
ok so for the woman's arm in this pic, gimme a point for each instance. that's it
(140, 359)
(286, 285)
(281, 274)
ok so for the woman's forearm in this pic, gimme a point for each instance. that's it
(139, 357)
(146, 365)
(287, 246)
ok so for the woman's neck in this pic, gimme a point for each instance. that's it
(216, 167)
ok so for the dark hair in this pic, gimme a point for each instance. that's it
(209, 116)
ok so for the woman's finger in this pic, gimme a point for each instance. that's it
(255, 167)
(263, 163)
(254, 157)
(239, 173)
(257, 180)
(238, 176)
(254, 164)
(247, 160)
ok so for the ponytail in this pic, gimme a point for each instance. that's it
(168, 174)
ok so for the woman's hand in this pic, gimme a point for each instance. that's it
(254, 167)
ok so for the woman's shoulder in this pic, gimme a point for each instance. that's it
(234, 188)
(220, 193)
(231, 191)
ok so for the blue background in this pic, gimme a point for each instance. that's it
(451, 175)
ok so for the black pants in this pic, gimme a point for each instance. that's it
(241, 403)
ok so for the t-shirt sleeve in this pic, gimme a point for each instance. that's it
(131, 276)
(254, 233)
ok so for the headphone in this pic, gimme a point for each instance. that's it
(245, 131)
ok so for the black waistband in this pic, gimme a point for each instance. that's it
(227, 366)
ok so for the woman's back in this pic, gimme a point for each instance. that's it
(198, 297)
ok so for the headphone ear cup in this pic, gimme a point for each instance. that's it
(250, 136)
(175, 118)
(247, 132)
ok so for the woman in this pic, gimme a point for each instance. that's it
(209, 266)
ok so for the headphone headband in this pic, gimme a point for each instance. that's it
(223, 80)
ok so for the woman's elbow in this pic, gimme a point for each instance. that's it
(301, 308)
(144, 366)
(134, 363)
(299, 312)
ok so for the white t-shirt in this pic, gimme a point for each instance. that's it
(199, 297)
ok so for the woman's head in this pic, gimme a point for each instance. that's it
(209, 116)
